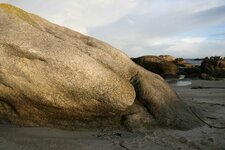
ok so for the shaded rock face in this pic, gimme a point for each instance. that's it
(158, 65)
(213, 68)
(179, 61)
(189, 70)
(53, 76)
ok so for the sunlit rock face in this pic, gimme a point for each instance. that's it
(53, 76)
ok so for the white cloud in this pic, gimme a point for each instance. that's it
(193, 40)
(202, 49)
(79, 15)
(140, 27)
(131, 21)
(160, 25)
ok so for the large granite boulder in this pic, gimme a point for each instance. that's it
(213, 68)
(53, 76)
(158, 64)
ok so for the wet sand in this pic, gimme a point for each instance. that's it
(209, 96)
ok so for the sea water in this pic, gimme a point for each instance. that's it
(183, 83)
(193, 61)
(180, 82)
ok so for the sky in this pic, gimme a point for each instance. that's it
(181, 28)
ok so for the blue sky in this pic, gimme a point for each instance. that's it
(182, 28)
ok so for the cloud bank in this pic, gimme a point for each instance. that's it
(182, 28)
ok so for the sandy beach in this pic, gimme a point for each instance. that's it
(207, 95)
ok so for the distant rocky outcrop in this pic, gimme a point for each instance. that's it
(179, 61)
(189, 70)
(53, 76)
(213, 68)
(168, 66)
(167, 58)
(161, 65)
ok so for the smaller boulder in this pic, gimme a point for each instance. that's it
(179, 61)
(158, 65)
(167, 58)
(188, 69)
